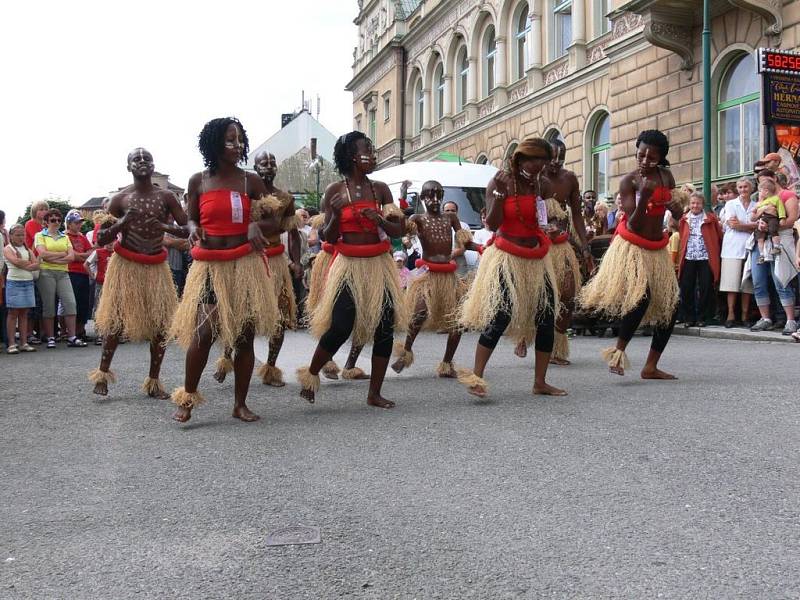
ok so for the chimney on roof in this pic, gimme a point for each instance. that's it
(313, 148)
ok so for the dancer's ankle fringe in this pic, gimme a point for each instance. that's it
(307, 380)
(97, 376)
(615, 358)
(180, 397)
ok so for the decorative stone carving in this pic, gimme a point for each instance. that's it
(416, 143)
(558, 72)
(440, 27)
(770, 10)
(376, 74)
(595, 53)
(627, 22)
(486, 108)
(676, 38)
(460, 121)
(519, 92)
(437, 132)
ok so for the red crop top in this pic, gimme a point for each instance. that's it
(352, 221)
(522, 221)
(224, 212)
(657, 205)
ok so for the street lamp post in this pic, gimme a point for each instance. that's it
(707, 103)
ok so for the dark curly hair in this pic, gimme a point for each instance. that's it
(653, 137)
(211, 141)
(345, 151)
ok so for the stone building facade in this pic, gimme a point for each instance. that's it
(474, 77)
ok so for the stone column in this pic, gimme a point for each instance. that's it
(427, 114)
(472, 89)
(577, 50)
(447, 120)
(500, 73)
(534, 45)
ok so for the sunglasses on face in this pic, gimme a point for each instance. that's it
(54, 220)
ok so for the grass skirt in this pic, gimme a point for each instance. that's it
(625, 276)
(441, 293)
(369, 280)
(138, 300)
(316, 280)
(526, 280)
(245, 297)
(565, 264)
(281, 280)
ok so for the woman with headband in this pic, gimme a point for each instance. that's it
(229, 294)
(515, 290)
(361, 295)
(636, 281)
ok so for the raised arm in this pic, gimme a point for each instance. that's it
(496, 193)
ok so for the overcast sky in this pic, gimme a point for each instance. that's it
(86, 81)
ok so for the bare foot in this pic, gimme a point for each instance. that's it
(245, 414)
(101, 388)
(451, 374)
(548, 390)
(330, 375)
(398, 365)
(220, 375)
(380, 402)
(308, 395)
(277, 383)
(182, 414)
(560, 362)
(159, 395)
(521, 350)
(477, 390)
(657, 374)
(616, 370)
(355, 374)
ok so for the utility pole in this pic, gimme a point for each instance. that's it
(707, 103)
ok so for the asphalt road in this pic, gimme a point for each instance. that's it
(624, 489)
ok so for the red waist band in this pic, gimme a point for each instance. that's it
(328, 247)
(274, 250)
(561, 238)
(143, 259)
(225, 254)
(363, 250)
(636, 239)
(448, 267)
(507, 245)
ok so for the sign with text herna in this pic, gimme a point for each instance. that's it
(780, 74)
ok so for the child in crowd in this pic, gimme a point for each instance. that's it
(771, 210)
(22, 265)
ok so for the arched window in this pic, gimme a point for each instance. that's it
(599, 152)
(739, 117)
(438, 82)
(489, 55)
(561, 27)
(509, 153)
(482, 160)
(463, 74)
(553, 135)
(419, 106)
(522, 26)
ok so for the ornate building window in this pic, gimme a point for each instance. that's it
(739, 117)
(602, 24)
(561, 28)
(599, 154)
(419, 107)
(462, 94)
(489, 60)
(438, 82)
(373, 126)
(482, 160)
(522, 26)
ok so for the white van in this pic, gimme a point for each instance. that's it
(465, 184)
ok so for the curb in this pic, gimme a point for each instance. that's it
(726, 334)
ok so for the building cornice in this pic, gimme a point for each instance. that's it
(377, 68)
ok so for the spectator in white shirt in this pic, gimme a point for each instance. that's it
(737, 225)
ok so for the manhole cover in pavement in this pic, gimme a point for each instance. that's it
(299, 534)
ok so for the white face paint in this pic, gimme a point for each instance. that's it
(525, 174)
(365, 158)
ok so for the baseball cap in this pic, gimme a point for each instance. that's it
(772, 156)
(74, 216)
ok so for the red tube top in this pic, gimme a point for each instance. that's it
(352, 221)
(657, 205)
(519, 223)
(224, 212)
